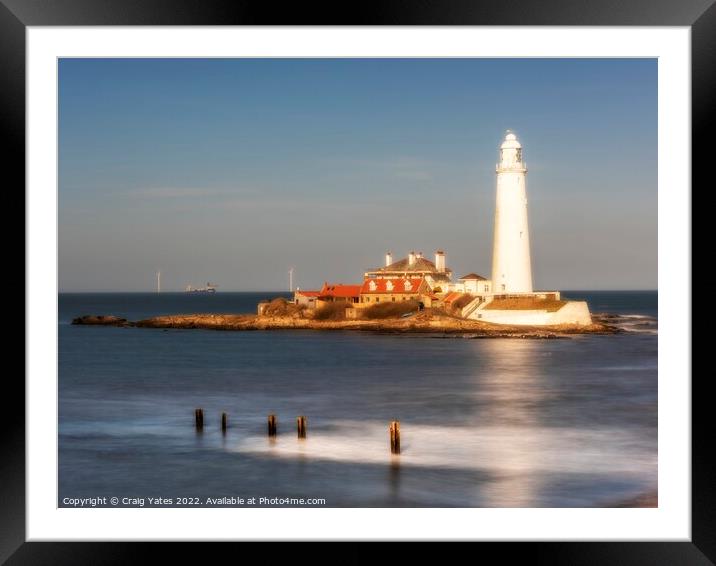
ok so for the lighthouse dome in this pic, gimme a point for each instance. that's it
(510, 141)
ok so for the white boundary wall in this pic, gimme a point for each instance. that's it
(574, 312)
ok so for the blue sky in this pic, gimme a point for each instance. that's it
(234, 170)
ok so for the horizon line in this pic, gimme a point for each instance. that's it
(177, 292)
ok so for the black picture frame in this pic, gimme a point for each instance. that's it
(16, 15)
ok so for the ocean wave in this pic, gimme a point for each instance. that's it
(633, 323)
(497, 449)
(639, 328)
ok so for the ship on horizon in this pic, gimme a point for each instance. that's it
(209, 288)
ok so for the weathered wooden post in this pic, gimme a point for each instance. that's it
(224, 422)
(199, 419)
(301, 426)
(395, 437)
(272, 425)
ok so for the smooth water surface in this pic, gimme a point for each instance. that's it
(485, 422)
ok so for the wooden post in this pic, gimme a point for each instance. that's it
(394, 437)
(224, 419)
(272, 428)
(301, 426)
(199, 419)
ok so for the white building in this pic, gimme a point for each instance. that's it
(475, 284)
(512, 299)
(511, 265)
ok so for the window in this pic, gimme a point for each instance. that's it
(393, 299)
(377, 299)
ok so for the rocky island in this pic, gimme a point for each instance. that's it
(101, 320)
(280, 314)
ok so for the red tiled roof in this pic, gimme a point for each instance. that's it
(339, 290)
(450, 297)
(308, 293)
(398, 285)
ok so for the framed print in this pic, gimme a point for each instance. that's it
(428, 280)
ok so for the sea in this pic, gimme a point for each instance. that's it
(485, 422)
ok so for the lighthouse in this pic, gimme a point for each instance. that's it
(511, 266)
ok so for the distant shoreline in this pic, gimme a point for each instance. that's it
(421, 323)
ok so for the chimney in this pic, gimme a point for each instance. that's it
(440, 260)
(411, 258)
(420, 255)
(388, 258)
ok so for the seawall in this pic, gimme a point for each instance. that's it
(573, 313)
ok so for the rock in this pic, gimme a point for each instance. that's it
(101, 320)
(423, 322)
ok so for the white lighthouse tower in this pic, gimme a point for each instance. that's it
(511, 266)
